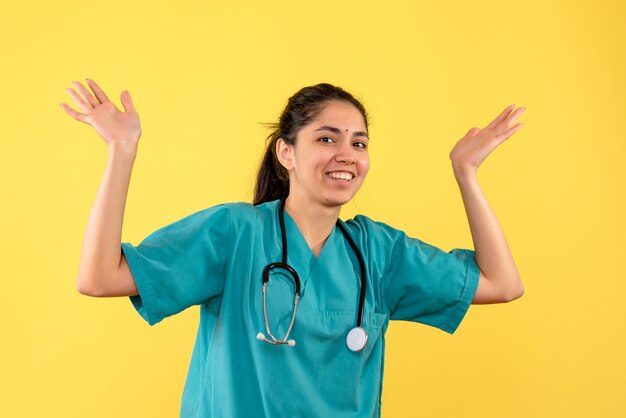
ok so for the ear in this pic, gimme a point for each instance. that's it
(284, 152)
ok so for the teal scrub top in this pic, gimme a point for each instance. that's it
(215, 258)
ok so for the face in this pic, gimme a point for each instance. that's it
(330, 160)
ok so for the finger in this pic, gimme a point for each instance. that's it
(98, 91)
(86, 94)
(84, 106)
(500, 117)
(127, 102)
(506, 124)
(472, 132)
(73, 113)
(506, 134)
(513, 117)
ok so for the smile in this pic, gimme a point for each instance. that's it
(340, 175)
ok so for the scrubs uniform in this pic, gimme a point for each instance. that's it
(215, 258)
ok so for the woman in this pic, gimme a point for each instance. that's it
(253, 355)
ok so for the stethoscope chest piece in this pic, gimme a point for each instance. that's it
(356, 339)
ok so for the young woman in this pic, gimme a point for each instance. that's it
(294, 302)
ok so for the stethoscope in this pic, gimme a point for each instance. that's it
(357, 337)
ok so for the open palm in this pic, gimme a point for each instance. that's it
(471, 150)
(111, 124)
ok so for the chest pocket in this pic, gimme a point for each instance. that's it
(321, 339)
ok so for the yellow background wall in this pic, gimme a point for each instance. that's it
(203, 74)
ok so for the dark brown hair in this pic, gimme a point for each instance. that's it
(302, 108)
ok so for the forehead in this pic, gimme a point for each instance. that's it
(340, 114)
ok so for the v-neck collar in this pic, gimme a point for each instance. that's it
(299, 254)
(292, 229)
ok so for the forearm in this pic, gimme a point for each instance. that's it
(492, 252)
(101, 249)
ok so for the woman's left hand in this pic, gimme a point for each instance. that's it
(471, 150)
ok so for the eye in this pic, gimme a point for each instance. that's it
(360, 144)
(325, 138)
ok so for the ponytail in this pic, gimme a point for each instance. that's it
(272, 180)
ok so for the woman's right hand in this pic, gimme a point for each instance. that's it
(115, 127)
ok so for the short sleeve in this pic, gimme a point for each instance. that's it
(425, 284)
(181, 264)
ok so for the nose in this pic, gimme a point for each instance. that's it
(345, 155)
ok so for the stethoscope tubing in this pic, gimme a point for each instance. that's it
(362, 265)
(296, 279)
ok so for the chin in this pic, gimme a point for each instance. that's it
(337, 200)
(334, 203)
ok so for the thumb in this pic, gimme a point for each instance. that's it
(127, 102)
(472, 132)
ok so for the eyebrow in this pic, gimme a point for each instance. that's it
(338, 131)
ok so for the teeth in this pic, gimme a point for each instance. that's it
(342, 176)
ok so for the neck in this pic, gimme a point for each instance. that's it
(314, 221)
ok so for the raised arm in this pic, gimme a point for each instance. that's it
(499, 279)
(102, 270)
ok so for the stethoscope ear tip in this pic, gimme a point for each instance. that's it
(261, 336)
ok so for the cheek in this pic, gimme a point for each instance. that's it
(364, 165)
